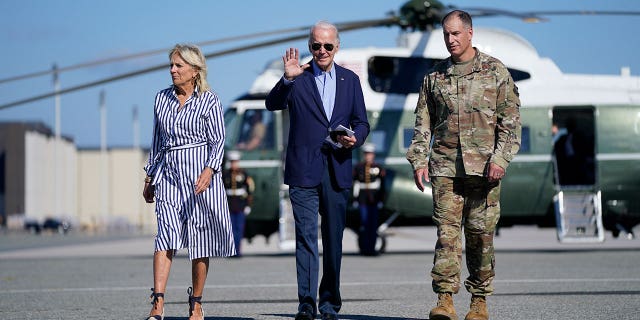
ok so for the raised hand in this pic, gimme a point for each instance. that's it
(292, 67)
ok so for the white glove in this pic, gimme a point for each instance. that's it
(247, 210)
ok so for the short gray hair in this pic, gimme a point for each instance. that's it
(322, 24)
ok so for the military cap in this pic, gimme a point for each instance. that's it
(368, 147)
(233, 155)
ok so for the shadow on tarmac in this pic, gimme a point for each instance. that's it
(250, 301)
(571, 293)
(210, 318)
(347, 316)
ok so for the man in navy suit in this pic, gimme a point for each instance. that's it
(320, 96)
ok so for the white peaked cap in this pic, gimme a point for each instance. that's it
(233, 155)
(368, 147)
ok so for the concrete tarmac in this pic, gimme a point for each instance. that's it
(81, 276)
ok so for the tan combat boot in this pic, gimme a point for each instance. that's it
(444, 310)
(478, 309)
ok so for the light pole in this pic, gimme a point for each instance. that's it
(103, 157)
(56, 146)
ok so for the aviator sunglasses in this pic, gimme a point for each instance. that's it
(327, 46)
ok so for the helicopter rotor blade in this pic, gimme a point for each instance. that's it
(385, 22)
(364, 23)
(585, 12)
(148, 53)
(143, 71)
(490, 12)
(343, 27)
(536, 16)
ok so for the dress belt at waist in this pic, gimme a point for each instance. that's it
(163, 152)
(187, 146)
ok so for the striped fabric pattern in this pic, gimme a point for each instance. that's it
(201, 222)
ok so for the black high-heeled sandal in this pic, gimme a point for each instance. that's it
(154, 299)
(192, 302)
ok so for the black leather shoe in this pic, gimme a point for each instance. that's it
(329, 316)
(305, 313)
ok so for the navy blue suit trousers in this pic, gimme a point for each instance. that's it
(330, 201)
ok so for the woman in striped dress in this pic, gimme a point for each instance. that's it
(184, 175)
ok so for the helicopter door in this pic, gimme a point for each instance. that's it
(577, 201)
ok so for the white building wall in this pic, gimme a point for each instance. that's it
(69, 180)
(50, 186)
(89, 188)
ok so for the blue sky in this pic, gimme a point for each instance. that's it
(37, 33)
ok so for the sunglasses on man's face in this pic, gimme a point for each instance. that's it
(327, 46)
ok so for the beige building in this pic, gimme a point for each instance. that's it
(110, 190)
(43, 178)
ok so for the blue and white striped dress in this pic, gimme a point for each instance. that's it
(184, 142)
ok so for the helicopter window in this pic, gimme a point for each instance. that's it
(525, 144)
(407, 135)
(230, 123)
(400, 75)
(378, 138)
(404, 75)
(256, 131)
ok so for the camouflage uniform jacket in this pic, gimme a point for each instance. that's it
(474, 119)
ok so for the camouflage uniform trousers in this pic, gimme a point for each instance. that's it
(474, 201)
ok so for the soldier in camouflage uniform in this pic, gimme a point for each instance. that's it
(469, 107)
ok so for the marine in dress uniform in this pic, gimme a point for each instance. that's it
(240, 187)
(369, 194)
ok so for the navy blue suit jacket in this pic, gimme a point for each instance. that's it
(309, 126)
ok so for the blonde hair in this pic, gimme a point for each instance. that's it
(192, 55)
